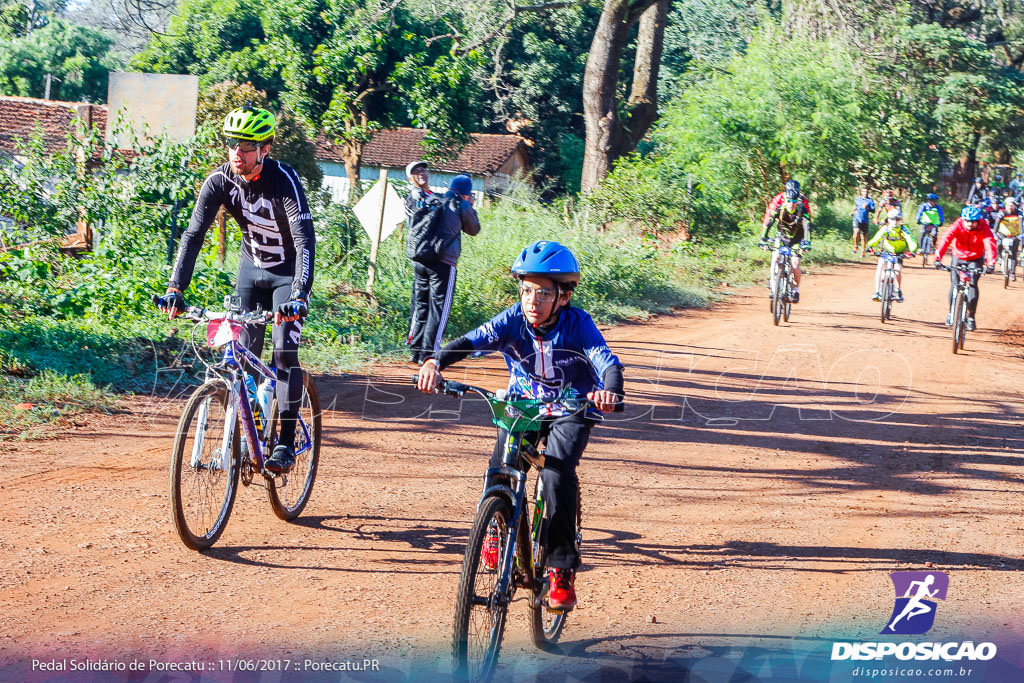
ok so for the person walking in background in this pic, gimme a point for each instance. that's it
(863, 207)
(978, 191)
(418, 174)
(439, 222)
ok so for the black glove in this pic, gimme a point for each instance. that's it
(293, 307)
(989, 270)
(171, 300)
(938, 265)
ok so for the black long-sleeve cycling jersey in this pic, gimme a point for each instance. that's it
(271, 209)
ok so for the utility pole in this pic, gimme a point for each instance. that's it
(46, 92)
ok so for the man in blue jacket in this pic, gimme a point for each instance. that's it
(548, 346)
(863, 207)
(434, 281)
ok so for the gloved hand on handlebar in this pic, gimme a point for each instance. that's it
(763, 244)
(172, 303)
(293, 309)
(989, 270)
(805, 244)
(938, 265)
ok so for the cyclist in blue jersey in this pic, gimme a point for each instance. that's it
(548, 346)
(930, 218)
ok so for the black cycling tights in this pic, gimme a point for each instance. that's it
(260, 288)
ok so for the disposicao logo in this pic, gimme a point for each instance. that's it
(913, 613)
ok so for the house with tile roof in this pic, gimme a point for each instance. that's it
(490, 160)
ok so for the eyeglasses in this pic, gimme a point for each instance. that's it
(539, 294)
(242, 145)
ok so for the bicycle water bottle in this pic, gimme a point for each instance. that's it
(264, 395)
(257, 413)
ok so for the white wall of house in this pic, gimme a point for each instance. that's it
(336, 180)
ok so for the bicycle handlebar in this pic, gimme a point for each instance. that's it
(200, 314)
(458, 389)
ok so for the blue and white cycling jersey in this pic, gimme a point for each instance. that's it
(572, 354)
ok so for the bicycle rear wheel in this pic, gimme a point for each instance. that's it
(203, 481)
(289, 500)
(959, 324)
(480, 613)
(547, 624)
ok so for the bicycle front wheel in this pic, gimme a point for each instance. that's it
(480, 613)
(959, 325)
(204, 479)
(886, 298)
(781, 292)
(1007, 272)
(289, 497)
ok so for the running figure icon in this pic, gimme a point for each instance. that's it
(915, 603)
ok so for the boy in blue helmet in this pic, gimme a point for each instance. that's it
(548, 345)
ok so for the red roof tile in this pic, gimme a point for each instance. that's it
(396, 148)
(20, 116)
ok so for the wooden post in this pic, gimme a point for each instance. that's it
(375, 242)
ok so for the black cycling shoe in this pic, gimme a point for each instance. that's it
(794, 297)
(971, 327)
(281, 461)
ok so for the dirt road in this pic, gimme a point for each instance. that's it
(750, 504)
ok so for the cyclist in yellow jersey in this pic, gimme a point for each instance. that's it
(1008, 224)
(896, 239)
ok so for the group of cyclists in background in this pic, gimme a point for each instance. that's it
(988, 227)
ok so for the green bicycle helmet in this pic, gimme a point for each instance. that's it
(249, 123)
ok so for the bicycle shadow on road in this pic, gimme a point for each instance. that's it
(612, 548)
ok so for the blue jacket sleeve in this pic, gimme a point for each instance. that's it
(942, 217)
(595, 347)
(492, 335)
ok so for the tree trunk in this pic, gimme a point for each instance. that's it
(604, 130)
(352, 154)
(642, 105)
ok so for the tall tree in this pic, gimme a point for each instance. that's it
(613, 127)
(76, 57)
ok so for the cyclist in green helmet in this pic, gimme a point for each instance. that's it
(267, 200)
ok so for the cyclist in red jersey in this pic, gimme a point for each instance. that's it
(972, 243)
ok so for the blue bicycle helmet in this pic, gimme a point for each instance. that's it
(932, 195)
(792, 190)
(971, 213)
(551, 260)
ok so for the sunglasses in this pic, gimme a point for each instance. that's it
(539, 294)
(242, 145)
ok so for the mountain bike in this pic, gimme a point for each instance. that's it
(968, 278)
(927, 246)
(781, 284)
(1007, 264)
(484, 594)
(208, 457)
(887, 285)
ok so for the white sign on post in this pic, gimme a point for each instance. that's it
(379, 212)
(368, 211)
